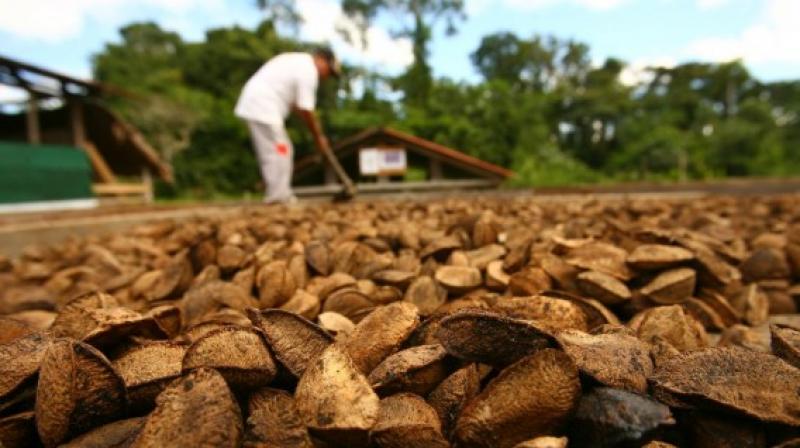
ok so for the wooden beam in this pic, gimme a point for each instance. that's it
(449, 156)
(397, 187)
(120, 189)
(33, 90)
(163, 170)
(32, 122)
(99, 164)
(76, 119)
(91, 86)
(435, 169)
(453, 156)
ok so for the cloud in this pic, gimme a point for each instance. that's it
(637, 72)
(53, 21)
(596, 5)
(475, 7)
(711, 4)
(323, 17)
(774, 37)
(43, 20)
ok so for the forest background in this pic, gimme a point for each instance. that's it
(540, 107)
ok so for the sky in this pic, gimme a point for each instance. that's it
(64, 34)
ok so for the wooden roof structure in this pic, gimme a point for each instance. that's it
(481, 172)
(113, 146)
(18, 73)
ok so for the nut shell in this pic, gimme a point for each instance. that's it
(671, 287)
(458, 279)
(196, 410)
(295, 341)
(649, 257)
(615, 360)
(335, 400)
(380, 334)
(239, 354)
(611, 417)
(426, 294)
(78, 390)
(273, 421)
(452, 394)
(147, 369)
(406, 420)
(416, 370)
(755, 384)
(490, 338)
(117, 434)
(603, 287)
(20, 361)
(786, 344)
(502, 417)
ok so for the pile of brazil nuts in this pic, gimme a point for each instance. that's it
(503, 322)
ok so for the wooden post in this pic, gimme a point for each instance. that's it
(435, 169)
(34, 134)
(101, 168)
(76, 119)
(147, 180)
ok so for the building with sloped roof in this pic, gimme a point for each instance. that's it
(62, 147)
(385, 160)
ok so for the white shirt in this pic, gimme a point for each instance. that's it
(285, 81)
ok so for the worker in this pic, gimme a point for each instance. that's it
(287, 82)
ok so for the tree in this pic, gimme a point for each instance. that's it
(282, 12)
(749, 143)
(591, 111)
(146, 63)
(503, 56)
(226, 59)
(424, 15)
(143, 61)
(784, 97)
(541, 63)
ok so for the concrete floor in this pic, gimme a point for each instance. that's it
(16, 234)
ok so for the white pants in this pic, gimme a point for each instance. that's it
(275, 153)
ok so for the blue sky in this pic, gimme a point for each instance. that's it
(63, 34)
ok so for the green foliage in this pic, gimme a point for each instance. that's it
(539, 64)
(148, 65)
(220, 160)
(415, 175)
(551, 168)
(228, 57)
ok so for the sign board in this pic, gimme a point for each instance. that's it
(382, 161)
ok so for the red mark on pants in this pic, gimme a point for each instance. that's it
(282, 149)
